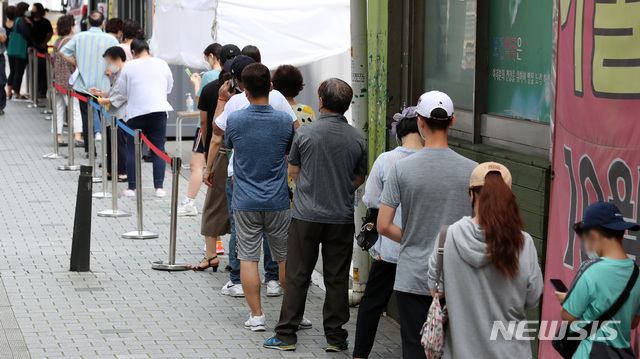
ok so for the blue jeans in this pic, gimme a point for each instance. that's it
(270, 266)
(3, 83)
(97, 126)
(154, 126)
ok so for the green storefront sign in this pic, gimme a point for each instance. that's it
(520, 58)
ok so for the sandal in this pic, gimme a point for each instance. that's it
(198, 268)
(62, 144)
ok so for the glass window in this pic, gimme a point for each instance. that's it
(449, 51)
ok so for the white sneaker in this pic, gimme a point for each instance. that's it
(273, 289)
(187, 208)
(233, 290)
(129, 193)
(256, 324)
(305, 324)
(98, 137)
(160, 192)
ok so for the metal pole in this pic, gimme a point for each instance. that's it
(179, 136)
(34, 80)
(104, 193)
(171, 265)
(91, 138)
(54, 123)
(140, 233)
(114, 211)
(70, 166)
(29, 74)
(49, 103)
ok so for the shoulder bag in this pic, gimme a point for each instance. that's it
(18, 44)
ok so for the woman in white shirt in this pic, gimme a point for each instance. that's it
(146, 81)
(385, 251)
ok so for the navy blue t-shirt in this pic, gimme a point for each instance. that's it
(260, 138)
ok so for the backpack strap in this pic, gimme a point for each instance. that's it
(441, 239)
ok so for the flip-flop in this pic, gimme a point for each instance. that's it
(62, 144)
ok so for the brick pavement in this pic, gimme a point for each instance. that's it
(122, 308)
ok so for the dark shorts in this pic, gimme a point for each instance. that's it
(198, 146)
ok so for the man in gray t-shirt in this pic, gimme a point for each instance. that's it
(432, 187)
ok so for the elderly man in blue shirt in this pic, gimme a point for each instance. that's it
(85, 50)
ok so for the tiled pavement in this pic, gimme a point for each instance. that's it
(122, 308)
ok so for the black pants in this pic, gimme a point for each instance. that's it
(413, 310)
(17, 66)
(122, 152)
(303, 245)
(374, 300)
(42, 76)
(85, 124)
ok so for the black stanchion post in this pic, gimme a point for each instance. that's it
(81, 245)
(171, 265)
(140, 233)
(70, 166)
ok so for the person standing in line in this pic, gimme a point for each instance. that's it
(385, 252)
(260, 137)
(288, 80)
(490, 270)
(215, 220)
(3, 73)
(42, 33)
(113, 27)
(116, 105)
(21, 39)
(62, 71)
(229, 102)
(253, 52)
(431, 186)
(10, 12)
(84, 51)
(212, 58)
(145, 82)
(328, 162)
(131, 29)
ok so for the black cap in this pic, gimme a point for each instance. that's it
(228, 52)
(238, 64)
(604, 214)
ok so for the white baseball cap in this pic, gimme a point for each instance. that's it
(432, 100)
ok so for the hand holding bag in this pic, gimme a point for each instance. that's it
(433, 330)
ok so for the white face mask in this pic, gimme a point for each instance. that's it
(113, 68)
(207, 65)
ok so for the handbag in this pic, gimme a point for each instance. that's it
(18, 44)
(567, 345)
(368, 235)
(433, 330)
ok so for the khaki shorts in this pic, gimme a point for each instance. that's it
(249, 229)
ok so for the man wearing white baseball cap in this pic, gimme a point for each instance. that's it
(432, 187)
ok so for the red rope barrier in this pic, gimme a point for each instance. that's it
(42, 56)
(61, 89)
(79, 97)
(155, 149)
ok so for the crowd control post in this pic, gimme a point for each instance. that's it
(50, 90)
(114, 211)
(104, 193)
(139, 233)
(70, 166)
(81, 244)
(34, 79)
(54, 123)
(91, 137)
(29, 74)
(171, 265)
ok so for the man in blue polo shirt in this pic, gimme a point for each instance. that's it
(601, 280)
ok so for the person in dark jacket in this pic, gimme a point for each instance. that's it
(21, 37)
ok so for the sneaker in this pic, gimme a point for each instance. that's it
(305, 324)
(337, 347)
(160, 192)
(256, 324)
(275, 343)
(219, 248)
(98, 137)
(187, 208)
(129, 193)
(233, 290)
(273, 289)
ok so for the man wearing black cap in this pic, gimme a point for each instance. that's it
(601, 280)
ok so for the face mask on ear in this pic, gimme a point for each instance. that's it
(420, 132)
(592, 254)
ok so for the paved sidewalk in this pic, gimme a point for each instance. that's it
(122, 308)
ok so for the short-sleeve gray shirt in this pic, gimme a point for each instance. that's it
(330, 153)
(433, 188)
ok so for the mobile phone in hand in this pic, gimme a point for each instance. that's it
(558, 285)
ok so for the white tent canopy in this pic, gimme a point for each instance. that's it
(286, 31)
